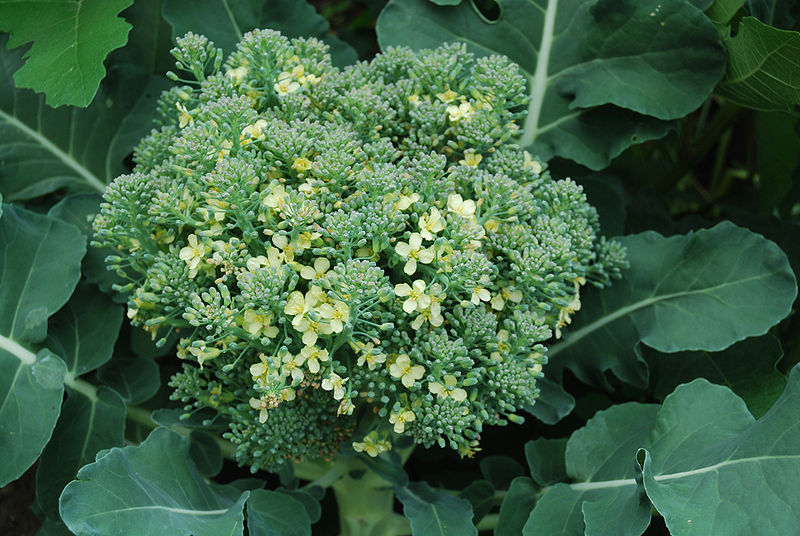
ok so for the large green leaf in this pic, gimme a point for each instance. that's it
(604, 449)
(39, 267)
(763, 69)
(89, 422)
(716, 471)
(85, 330)
(224, 22)
(747, 368)
(435, 513)
(141, 490)
(45, 149)
(603, 74)
(708, 468)
(270, 513)
(778, 13)
(70, 41)
(136, 379)
(699, 291)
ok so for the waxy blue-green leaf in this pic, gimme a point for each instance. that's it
(224, 22)
(763, 68)
(435, 513)
(708, 468)
(70, 41)
(605, 449)
(31, 389)
(747, 368)
(781, 14)
(499, 471)
(270, 513)
(603, 74)
(84, 331)
(553, 403)
(712, 469)
(141, 490)
(722, 11)
(45, 149)
(700, 291)
(517, 503)
(39, 267)
(79, 210)
(136, 379)
(89, 422)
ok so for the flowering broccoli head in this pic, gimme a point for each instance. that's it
(349, 256)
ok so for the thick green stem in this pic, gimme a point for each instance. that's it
(366, 504)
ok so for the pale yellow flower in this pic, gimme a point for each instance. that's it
(529, 162)
(413, 251)
(448, 389)
(369, 355)
(318, 271)
(406, 371)
(291, 366)
(256, 324)
(193, 254)
(457, 204)
(471, 159)
(400, 419)
(448, 96)
(313, 356)
(506, 293)
(416, 297)
(184, 117)
(301, 164)
(372, 444)
(335, 383)
(463, 111)
(260, 404)
(237, 74)
(406, 201)
(431, 224)
(276, 198)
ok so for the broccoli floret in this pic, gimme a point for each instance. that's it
(350, 255)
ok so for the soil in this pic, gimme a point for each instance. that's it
(16, 516)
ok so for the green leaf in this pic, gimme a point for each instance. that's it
(747, 368)
(205, 453)
(553, 403)
(707, 466)
(87, 424)
(719, 472)
(722, 11)
(514, 511)
(53, 527)
(699, 291)
(70, 41)
(39, 267)
(480, 495)
(30, 400)
(270, 513)
(136, 379)
(778, 13)
(500, 470)
(435, 513)
(224, 22)
(763, 71)
(45, 149)
(150, 39)
(79, 210)
(545, 459)
(603, 74)
(84, 331)
(140, 490)
(605, 449)
(309, 502)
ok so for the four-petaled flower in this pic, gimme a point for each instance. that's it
(335, 383)
(413, 251)
(193, 254)
(417, 299)
(404, 369)
(430, 224)
(448, 389)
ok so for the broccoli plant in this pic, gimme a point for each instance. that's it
(353, 275)
(350, 257)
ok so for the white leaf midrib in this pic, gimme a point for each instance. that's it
(538, 81)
